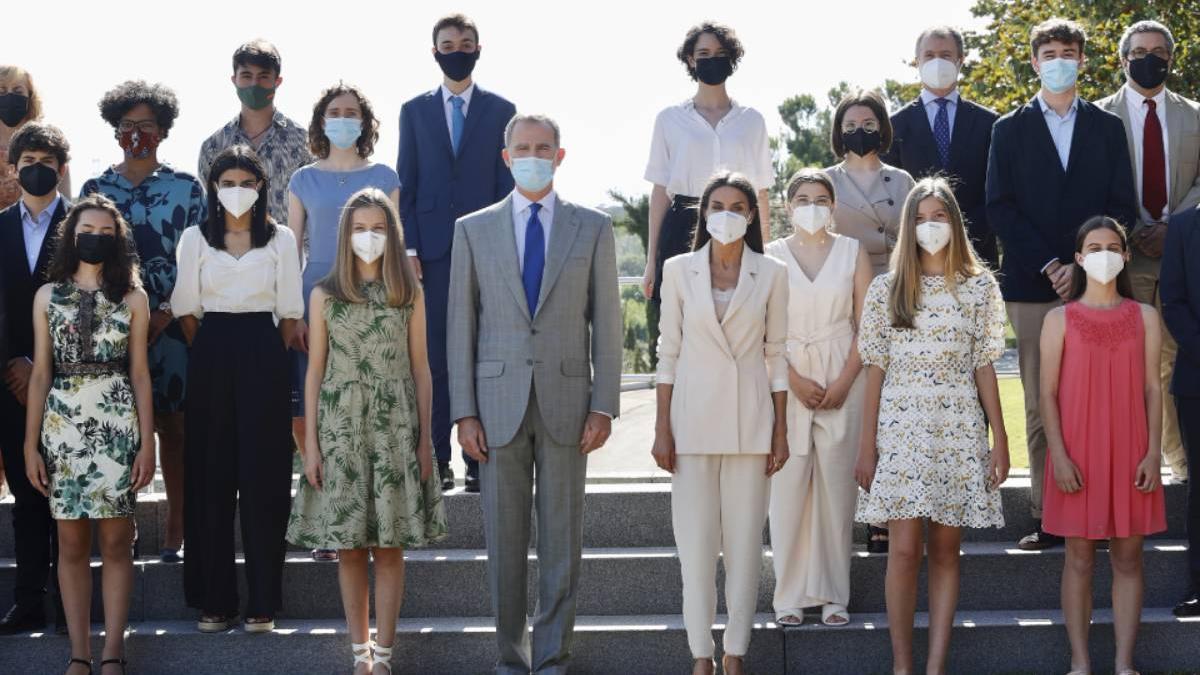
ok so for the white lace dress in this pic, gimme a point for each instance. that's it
(932, 435)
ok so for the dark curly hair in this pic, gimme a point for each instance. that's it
(39, 137)
(121, 274)
(123, 97)
(1057, 30)
(319, 144)
(724, 34)
(258, 53)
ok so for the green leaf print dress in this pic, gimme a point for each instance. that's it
(367, 426)
(90, 426)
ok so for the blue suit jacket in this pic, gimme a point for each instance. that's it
(437, 187)
(1036, 207)
(1179, 288)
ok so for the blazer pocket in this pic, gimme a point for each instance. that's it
(576, 367)
(485, 369)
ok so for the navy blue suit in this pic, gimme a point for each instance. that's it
(436, 189)
(1179, 289)
(1036, 207)
(914, 150)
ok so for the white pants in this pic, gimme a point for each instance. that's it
(812, 516)
(718, 508)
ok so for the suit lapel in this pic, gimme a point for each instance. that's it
(1175, 112)
(701, 283)
(1043, 140)
(480, 102)
(854, 197)
(1085, 116)
(747, 276)
(504, 241)
(923, 134)
(1122, 111)
(50, 241)
(562, 236)
(964, 119)
(435, 108)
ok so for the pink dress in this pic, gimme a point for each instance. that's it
(1100, 401)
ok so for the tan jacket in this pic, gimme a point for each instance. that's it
(723, 372)
(872, 218)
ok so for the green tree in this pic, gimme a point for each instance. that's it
(1000, 76)
(635, 219)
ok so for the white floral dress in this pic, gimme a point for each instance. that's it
(932, 435)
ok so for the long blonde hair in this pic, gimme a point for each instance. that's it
(961, 259)
(399, 278)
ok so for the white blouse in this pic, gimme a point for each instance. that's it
(686, 150)
(264, 279)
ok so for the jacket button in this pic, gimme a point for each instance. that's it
(891, 202)
(533, 331)
(529, 362)
(887, 179)
(881, 229)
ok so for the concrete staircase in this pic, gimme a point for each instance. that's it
(629, 605)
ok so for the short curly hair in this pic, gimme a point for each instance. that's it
(318, 143)
(39, 137)
(1057, 30)
(123, 97)
(724, 34)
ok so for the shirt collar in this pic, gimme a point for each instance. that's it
(1047, 110)
(521, 202)
(277, 119)
(43, 217)
(928, 97)
(1160, 99)
(734, 108)
(465, 96)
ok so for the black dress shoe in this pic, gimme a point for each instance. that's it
(447, 475)
(1039, 540)
(22, 619)
(472, 484)
(1190, 606)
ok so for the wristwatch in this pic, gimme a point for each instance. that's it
(164, 306)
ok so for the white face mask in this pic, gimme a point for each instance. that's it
(237, 200)
(933, 236)
(368, 246)
(939, 73)
(811, 218)
(1103, 266)
(726, 226)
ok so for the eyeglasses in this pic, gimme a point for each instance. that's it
(1140, 52)
(144, 126)
(869, 126)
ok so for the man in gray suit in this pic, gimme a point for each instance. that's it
(534, 356)
(1162, 129)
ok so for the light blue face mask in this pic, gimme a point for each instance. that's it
(1059, 75)
(343, 131)
(532, 174)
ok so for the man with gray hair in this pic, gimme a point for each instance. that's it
(1162, 129)
(535, 367)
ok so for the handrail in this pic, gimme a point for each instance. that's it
(633, 381)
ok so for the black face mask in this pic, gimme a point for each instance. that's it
(13, 108)
(95, 248)
(1149, 71)
(37, 179)
(860, 141)
(457, 65)
(714, 70)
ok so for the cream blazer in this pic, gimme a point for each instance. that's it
(723, 372)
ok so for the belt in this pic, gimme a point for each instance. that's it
(800, 347)
(91, 368)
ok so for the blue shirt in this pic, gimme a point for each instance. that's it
(36, 229)
(1062, 129)
(929, 100)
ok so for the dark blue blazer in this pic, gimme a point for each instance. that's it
(1179, 290)
(437, 187)
(1036, 208)
(914, 150)
(19, 286)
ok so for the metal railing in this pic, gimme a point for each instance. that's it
(634, 381)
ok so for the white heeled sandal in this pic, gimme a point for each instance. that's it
(383, 657)
(362, 653)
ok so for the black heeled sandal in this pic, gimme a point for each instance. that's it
(86, 663)
(119, 662)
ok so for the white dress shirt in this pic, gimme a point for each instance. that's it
(36, 229)
(521, 211)
(1135, 103)
(1062, 129)
(449, 107)
(265, 279)
(929, 100)
(685, 150)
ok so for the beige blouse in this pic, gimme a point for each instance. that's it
(872, 216)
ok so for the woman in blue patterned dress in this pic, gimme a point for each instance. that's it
(89, 442)
(159, 203)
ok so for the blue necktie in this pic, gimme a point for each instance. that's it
(941, 131)
(535, 258)
(458, 119)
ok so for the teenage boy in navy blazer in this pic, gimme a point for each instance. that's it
(449, 166)
(1054, 162)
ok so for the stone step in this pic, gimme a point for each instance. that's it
(620, 515)
(982, 643)
(646, 581)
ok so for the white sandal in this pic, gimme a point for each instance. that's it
(383, 657)
(831, 610)
(362, 654)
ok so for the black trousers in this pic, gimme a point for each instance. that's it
(35, 534)
(238, 452)
(435, 280)
(1188, 410)
(675, 234)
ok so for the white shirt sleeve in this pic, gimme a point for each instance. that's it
(289, 299)
(760, 156)
(185, 298)
(658, 167)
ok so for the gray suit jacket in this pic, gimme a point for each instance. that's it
(571, 350)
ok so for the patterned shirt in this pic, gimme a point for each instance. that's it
(284, 148)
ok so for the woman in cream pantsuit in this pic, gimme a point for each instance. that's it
(722, 329)
(812, 498)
